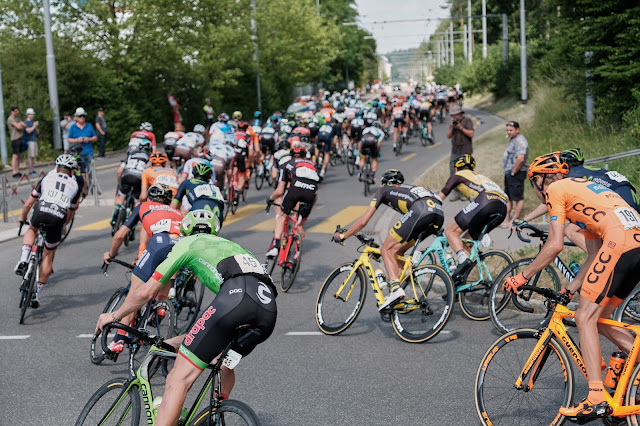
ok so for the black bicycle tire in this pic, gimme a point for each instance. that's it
(631, 394)
(400, 315)
(365, 178)
(502, 306)
(625, 310)
(260, 178)
(332, 159)
(230, 406)
(69, 226)
(235, 200)
(287, 282)
(517, 336)
(95, 341)
(351, 162)
(487, 288)
(28, 294)
(195, 285)
(332, 330)
(112, 385)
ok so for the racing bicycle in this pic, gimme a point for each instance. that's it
(290, 254)
(366, 176)
(32, 273)
(263, 171)
(123, 215)
(186, 296)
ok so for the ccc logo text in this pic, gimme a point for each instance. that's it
(589, 211)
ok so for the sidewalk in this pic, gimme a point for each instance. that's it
(9, 231)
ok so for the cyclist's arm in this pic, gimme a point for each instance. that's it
(177, 199)
(551, 249)
(536, 213)
(593, 246)
(279, 191)
(27, 207)
(361, 222)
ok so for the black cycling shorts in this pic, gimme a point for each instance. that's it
(267, 145)
(155, 253)
(442, 102)
(242, 300)
(424, 214)
(129, 182)
(324, 144)
(295, 195)
(425, 115)
(241, 163)
(356, 133)
(399, 122)
(369, 147)
(50, 224)
(480, 212)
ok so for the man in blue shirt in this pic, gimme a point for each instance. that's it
(83, 133)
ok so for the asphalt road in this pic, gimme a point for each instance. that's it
(366, 376)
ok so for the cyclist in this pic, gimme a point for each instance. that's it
(161, 225)
(488, 207)
(369, 145)
(187, 170)
(169, 144)
(612, 232)
(241, 147)
(300, 179)
(200, 192)
(145, 132)
(422, 211)
(130, 175)
(54, 197)
(248, 297)
(356, 128)
(424, 113)
(326, 138)
(158, 173)
(399, 122)
(236, 117)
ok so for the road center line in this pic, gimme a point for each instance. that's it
(304, 333)
(434, 145)
(408, 157)
(25, 336)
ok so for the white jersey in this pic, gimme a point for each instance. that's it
(339, 117)
(379, 133)
(56, 194)
(223, 151)
(136, 163)
(191, 140)
(282, 156)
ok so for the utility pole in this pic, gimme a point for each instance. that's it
(451, 32)
(3, 130)
(256, 58)
(523, 55)
(51, 74)
(464, 40)
(318, 7)
(505, 39)
(588, 74)
(470, 32)
(484, 29)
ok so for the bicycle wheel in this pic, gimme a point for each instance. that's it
(365, 178)
(526, 310)
(546, 388)
(259, 181)
(67, 229)
(159, 324)
(233, 203)
(629, 309)
(230, 412)
(271, 264)
(187, 303)
(351, 162)
(96, 353)
(336, 312)
(427, 305)
(292, 266)
(333, 160)
(127, 410)
(633, 395)
(27, 288)
(475, 301)
(119, 221)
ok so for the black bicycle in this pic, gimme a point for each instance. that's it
(123, 215)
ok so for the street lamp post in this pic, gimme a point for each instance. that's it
(484, 29)
(256, 58)
(523, 55)
(470, 32)
(3, 130)
(51, 73)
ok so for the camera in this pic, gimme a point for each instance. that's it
(455, 122)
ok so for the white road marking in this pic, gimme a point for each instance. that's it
(84, 336)
(304, 333)
(25, 336)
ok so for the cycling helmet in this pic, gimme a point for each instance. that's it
(202, 171)
(237, 115)
(146, 126)
(292, 116)
(304, 121)
(392, 177)
(544, 165)
(158, 157)
(224, 117)
(206, 154)
(160, 193)
(257, 114)
(67, 161)
(298, 149)
(76, 149)
(145, 145)
(282, 144)
(199, 128)
(172, 135)
(572, 157)
(200, 222)
(465, 160)
(274, 118)
(243, 125)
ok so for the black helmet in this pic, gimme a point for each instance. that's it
(572, 157)
(160, 193)
(465, 160)
(392, 177)
(76, 149)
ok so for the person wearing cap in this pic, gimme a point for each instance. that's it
(83, 133)
(514, 165)
(461, 134)
(65, 125)
(30, 138)
(16, 131)
(101, 128)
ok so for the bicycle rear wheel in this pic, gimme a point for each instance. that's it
(67, 229)
(259, 180)
(233, 200)
(351, 162)
(292, 266)
(126, 412)
(187, 303)
(335, 312)
(475, 301)
(230, 412)
(629, 309)
(117, 298)
(365, 178)
(427, 305)
(499, 402)
(510, 311)
(27, 288)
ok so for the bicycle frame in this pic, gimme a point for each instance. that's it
(294, 219)
(556, 328)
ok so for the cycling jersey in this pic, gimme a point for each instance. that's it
(162, 175)
(401, 197)
(201, 195)
(374, 131)
(223, 151)
(470, 184)
(302, 179)
(241, 149)
(190, 164)
(219, 166)
(369, 145)
(613, 180)
(268, 137)
(156, 218)
(143, 134)
(282, 156)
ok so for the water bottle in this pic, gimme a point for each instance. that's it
(574, 267)
(417, 255)
(380, 278)
(616, 362)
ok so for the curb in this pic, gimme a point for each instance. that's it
(9, 234)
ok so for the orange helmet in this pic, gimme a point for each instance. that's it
(179, 128)
(547, 164)
(158, 157)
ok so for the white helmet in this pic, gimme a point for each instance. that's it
(198, 128)
(66, 160)
(146, 126)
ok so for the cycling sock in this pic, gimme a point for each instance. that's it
(115, 212)
(596, 395)
(276, 243)
(26, 249)
(40, 285)
(462, 256)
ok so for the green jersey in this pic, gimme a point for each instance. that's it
(213, 260)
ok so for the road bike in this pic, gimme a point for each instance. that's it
(157, 315)
(397, 146)
(123, 215)
(422, 314)
(352, 154)
(527, 309)
(233, 198)
(118, 400)
(473, 285)
(425, 137)
(263, 171)
(526, 376)
(186, 296)
(290, 254)
(366, 175)
(32, 273)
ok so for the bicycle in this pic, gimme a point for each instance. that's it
(397, 147)
(425, 137)
(233, 199)
(123, 215)
(533, 377)
(32, 273)
(510, 310)
(367, 175)
(473, 286)
(263, 172)
(148, 317)
(118, 400)
(186, 296)
(290, 254)
(419, 317)
(351, 159)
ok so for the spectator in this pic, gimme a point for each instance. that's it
(65, 125)
(461, 134)
(82, 132)
(209, 113)
(514, 165)
(31, 139)
(101, 128)
(16, 131)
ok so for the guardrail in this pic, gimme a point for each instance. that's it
(611, 157)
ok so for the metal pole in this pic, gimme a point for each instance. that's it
(51, 73)
(505, 39)
(452, 53)
(464, 40)
(256, 58)
(470, 32)
(3, 130)
(484, 29)
(318, 7)
(588, 74)
(523, 55)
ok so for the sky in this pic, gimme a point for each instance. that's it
(401, 35)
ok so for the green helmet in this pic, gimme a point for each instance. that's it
(572, 157)
(202, 171)
(200, 222)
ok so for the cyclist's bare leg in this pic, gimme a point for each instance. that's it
(389, 249)
(179, 381)
(576, 235)
(279, 228)
(135, 284)
(46, 265)
(453, 233)
(587, 322)
(29, 237)
(395, 134)
(622, 338)
(325, 160)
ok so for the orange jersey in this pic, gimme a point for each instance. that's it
(162, 175)
(254, 137)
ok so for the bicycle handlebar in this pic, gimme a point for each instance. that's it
(536, 233)
(560, 298)
(140, 335)
(105, 265)
(368, 241)
(20, 228)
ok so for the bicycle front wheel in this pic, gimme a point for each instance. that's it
(427, 305)
(187, 303)
(475, 301)
(125, 412)
(260, 179)
(546, 388)
(351, 162)
(292, 264)
(510, 311)
(340, 301)
(27, 289)
(230, 412)
(117, 298)
(629, 309)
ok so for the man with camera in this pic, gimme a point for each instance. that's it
(461, 134)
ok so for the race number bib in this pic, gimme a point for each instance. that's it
(58, 198)
(420, 192)
(613, 175)
(203, 191)
(232, 359)
(170, 181)
(307, 173)
(163, 225)
(628, 217)
(249, 264)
